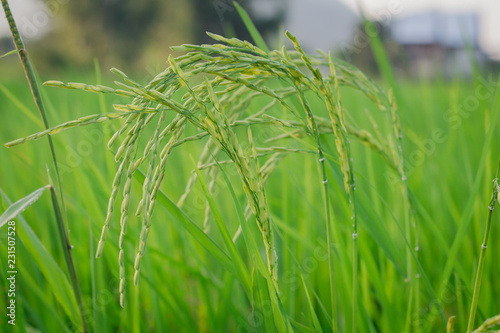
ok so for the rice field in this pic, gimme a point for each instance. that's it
(246, 191)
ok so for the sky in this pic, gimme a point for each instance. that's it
(488, 10)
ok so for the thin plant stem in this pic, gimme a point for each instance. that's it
(480, 266)
(37, 96)
(63, 235)
(328, 239)
(355, 282)
(409, 215)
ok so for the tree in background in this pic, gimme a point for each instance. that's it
(135, 34)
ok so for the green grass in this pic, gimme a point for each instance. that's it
(196, 281)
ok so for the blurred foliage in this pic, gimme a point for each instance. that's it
(115, 32)
(136, 34)
(360, 52)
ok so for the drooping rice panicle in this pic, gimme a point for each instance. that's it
(111, 202)
(151, 199)
(211, 187)
(147, 186)
(235, 75)
(205, 155)
(82, 121)
(127, 188)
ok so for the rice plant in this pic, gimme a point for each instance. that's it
(223, 97)
(234, 73)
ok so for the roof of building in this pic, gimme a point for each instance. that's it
(434, 27)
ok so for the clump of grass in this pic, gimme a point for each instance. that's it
(234, 74)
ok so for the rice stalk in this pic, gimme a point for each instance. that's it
(60, 211)
(495, 196)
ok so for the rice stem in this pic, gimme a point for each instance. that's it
(480, 266)
(60, 211)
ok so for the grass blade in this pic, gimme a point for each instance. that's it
(56, 279)
(9, 53)
(260, 297)
(239, 266)
(257, 38)
(192, 228)
(21, 205)
(281, 319)
(316, 323)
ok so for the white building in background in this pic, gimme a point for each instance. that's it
(487, 10)
(321, 24)
(439, 43)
